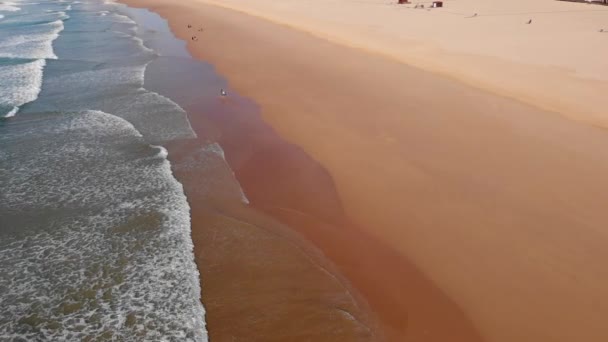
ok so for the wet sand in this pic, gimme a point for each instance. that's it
(261, 279)
(468, 204)
(264, 280)
(282, 181)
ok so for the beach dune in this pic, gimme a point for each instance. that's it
(474, 148)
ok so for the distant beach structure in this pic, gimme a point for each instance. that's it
(596, 2)
(437, 4)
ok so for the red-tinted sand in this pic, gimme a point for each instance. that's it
(281, 180)
(261, 282)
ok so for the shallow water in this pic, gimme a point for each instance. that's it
(94, 229)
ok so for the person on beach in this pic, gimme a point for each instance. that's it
(223, 93)
(529, 22)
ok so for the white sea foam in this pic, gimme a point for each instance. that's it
(121, 18)
(114, 230)
(155, 116)
(7, 6)
(162, 153)
(33, 19)
(141, 44)
(221, 182)
(1, 16)
(139, 41)
(20, 84)
(93, 178)
(217, 149)
(36, 43)
(12, 112)
(95, 82)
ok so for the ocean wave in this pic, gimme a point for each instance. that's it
(162, 153)
(139, 41)
(89, 197)
(35, 42)
(21, 83)
(11, 112)
(210, 160)
(121, 18)
(7, 6)
(20, 23)
(115, 232)
(157, 117)
(218, 150)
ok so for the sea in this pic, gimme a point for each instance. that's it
(95, 240)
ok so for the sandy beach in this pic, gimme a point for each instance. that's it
(457, 186)
(246, 254)
(556, 63)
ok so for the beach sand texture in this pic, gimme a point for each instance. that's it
(496, 200)
(558, 62)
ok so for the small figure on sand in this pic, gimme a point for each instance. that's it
(529, 22)
(601, 30)
(189, 26)
(194, 38)
(223, 92)
(200, 29)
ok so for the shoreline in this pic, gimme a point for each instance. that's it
(284, 183)
(259, 278)
(450, 178)
(403, 301)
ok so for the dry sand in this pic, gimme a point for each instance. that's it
(499, 203)
(557, 63)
